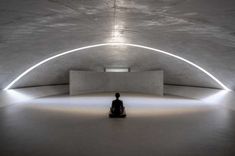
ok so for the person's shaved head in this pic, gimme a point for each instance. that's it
(117, 95)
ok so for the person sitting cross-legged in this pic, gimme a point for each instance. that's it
(117, 109)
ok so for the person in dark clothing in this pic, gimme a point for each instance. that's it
(117, 109)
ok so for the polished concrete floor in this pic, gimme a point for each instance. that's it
(158, 126)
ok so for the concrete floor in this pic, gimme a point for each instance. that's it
(162, 126)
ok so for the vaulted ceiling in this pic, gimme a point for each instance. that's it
(201, 31)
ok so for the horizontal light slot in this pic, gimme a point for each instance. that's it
(116, 69)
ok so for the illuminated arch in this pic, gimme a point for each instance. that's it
(113, 44)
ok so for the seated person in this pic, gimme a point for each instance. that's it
(117, 109)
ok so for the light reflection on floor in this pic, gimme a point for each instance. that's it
(136, 104)
(78, 125)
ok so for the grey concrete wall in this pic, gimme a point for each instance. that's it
(190, 92)
(149, 82)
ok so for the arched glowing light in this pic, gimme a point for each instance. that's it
(114, 44)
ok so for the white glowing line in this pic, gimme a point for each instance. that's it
(111, 44)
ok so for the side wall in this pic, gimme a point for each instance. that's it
(211, 96)
(20, 95)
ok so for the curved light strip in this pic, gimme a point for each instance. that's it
(112, 44)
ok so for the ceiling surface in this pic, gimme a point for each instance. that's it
(201, 31)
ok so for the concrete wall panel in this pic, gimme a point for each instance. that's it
(150, 82)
